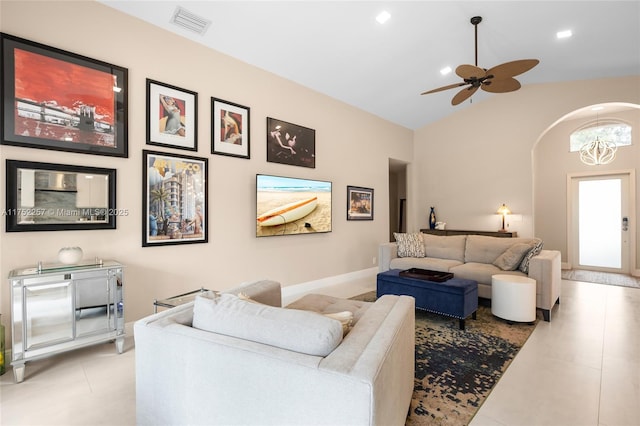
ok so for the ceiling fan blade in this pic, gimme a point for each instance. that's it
(501, 86)
(513, 68)
(470, 71)
(440, 89)
(463, 95)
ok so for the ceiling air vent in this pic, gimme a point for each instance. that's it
(190, 21)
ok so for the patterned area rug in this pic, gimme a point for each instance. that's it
(456, 369)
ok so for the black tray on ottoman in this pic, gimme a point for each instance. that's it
(427, 275)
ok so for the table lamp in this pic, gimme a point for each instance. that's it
(504, 211)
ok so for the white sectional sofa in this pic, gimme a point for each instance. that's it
(267, 365)
(478, 258)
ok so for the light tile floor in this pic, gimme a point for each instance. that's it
(582, 368)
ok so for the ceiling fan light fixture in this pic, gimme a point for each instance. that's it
(498, 79)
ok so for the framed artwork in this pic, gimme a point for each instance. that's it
(359, 203)
(290, 144)
(230, 129)
(174, 203)
(57, 197)
(54, 99)
(172, 116)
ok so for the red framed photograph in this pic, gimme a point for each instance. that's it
(54, 99)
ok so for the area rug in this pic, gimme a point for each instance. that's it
(601, 278)
(457, 369)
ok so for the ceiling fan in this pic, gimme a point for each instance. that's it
(498, 79)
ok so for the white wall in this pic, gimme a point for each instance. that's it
(482, 156)
(352, 148)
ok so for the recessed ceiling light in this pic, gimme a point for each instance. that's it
(564, 34)
(383, 17)
(445, 70)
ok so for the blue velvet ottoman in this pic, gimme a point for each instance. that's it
(457, 298)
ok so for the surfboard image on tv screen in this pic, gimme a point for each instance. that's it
(288, 206)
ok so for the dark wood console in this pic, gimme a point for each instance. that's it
(460, 232)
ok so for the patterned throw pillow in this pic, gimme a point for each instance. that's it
(512, 257)
(410, 245)
(537, 248)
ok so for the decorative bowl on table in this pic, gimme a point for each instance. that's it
(70, 255)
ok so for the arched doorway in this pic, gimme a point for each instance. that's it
(555, 168)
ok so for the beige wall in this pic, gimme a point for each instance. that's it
(352, 148)
(482, 156)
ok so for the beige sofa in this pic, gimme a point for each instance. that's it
(268, 365)
(478, 258)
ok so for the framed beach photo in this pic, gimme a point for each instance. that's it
(174, 203)
(172, 116)
(291, 144)
(58, 100)
(359, 203)
(230, 133)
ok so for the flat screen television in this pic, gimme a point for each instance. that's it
(289, 206)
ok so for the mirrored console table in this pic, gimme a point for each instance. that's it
(58, 308)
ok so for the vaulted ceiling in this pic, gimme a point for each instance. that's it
(339, 49)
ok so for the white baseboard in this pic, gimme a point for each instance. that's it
(295, 290)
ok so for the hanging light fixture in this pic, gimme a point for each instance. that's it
(598, 152)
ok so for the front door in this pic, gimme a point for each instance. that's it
(600, 222)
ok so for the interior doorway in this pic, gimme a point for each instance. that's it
(599, 222)
(398, 200)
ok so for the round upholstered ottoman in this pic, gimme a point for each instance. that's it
(513, 297)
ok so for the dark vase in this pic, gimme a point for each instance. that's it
(432, 219)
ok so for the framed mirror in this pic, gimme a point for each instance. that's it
(55, 197)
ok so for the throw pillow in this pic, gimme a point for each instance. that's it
(290, 329)
(410, 245)
(537, 248)
(512, 257)
(345, 317)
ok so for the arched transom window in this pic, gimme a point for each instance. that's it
(611, 130)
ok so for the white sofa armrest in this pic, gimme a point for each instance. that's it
(386, 252)
(545, 268)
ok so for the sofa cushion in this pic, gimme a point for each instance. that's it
(483, 249)
(445, 247)
(345, 317)
(409, 245)
(481, 272)
(299, 331)
(537, 248)
(432, 263)
(512, 257)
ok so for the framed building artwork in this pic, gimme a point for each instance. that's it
(230, 131)
(291, 144)
(174, 203)
(172, 116)
(359, 203)
(54, 99)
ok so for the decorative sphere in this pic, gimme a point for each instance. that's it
(70, 255)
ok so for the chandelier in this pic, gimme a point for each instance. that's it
(598, 152)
